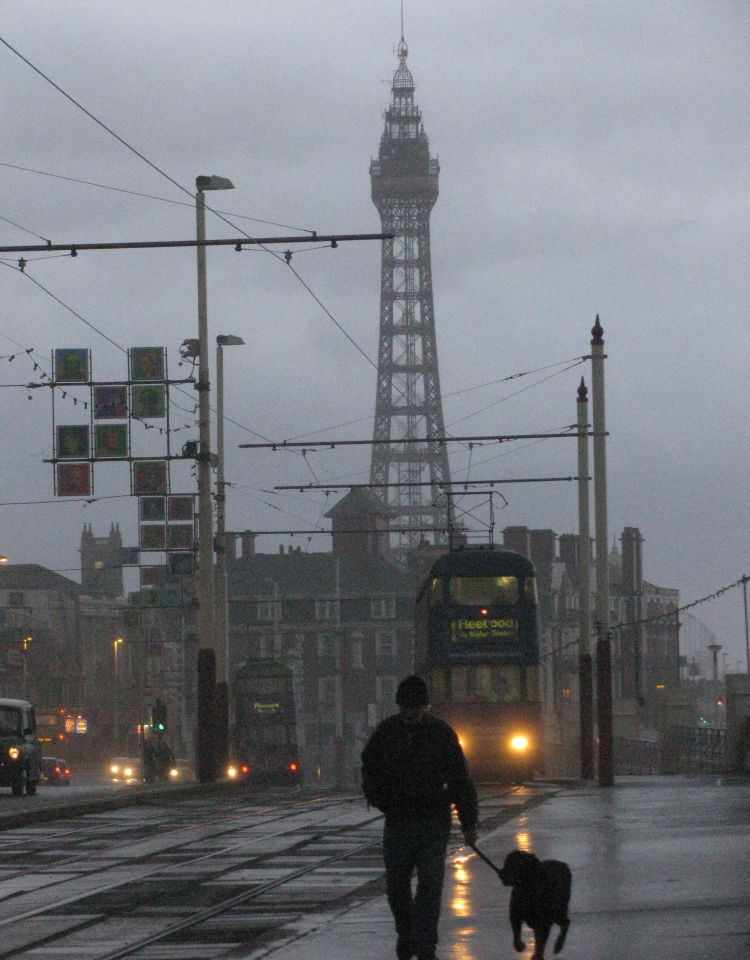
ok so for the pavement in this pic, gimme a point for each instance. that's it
(661, 871)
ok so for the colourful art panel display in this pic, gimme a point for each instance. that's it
(180, 564)
(179, 536)
(152, 536)
(152, 576)
(151, 509)
(129, 557)
(73, 479)
(111, 402)
(73, 442)
(148, 402)
(110, 440)
(181, 508)
(147, 363)
(149, 477)
(71, 365)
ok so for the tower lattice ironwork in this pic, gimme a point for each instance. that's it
(408, 404)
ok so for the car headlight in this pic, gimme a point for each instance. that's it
(114, 768)
(174, 773)
(14, 753)
(519, 743)
(232, 772)
(128, 771)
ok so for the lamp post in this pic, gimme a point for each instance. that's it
(207, 646)
(714, 648)
(220, 584)
(116, 700)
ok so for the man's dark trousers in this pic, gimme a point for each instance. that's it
(420, 845)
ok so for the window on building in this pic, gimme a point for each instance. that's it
(326, 690)
(385, 690)
(326, 609)
(326, 644)
(356, 659)
(269, 610)
(383, 608)
(385, 643)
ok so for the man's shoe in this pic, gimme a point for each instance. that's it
(404, 951)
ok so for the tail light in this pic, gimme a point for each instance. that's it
(293, 767)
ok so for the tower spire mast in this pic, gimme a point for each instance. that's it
(404, 181)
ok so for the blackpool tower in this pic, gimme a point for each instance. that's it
(408, 476)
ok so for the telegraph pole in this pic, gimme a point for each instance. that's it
(603, 642)
(585, 660)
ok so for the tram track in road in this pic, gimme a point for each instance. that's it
(248, 883)
(104, 822)
(111, 891)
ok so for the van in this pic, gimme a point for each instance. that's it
(20, 753)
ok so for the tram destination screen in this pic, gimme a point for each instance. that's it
(484, 630)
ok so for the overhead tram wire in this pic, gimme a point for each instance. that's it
(164, 174)
(482, 438)
(148, 196)
(176, 183)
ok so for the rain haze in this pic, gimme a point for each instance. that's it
(592, 161)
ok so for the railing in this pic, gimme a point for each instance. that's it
(637, 757)
(694, 750)
(686, 750)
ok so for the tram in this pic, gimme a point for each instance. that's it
(264, 738)
(477, 646)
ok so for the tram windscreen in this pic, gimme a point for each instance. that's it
(483, 591)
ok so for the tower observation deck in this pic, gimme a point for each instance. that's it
(404, 180)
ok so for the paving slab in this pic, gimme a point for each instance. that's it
(661, 871)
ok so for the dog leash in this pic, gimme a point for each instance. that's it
(484, 857)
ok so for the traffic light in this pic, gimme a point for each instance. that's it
(160, 715)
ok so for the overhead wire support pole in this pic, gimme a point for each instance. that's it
(603, 630)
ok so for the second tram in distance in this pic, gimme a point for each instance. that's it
(477, 646)
(264, 740)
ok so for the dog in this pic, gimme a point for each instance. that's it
(540, 898)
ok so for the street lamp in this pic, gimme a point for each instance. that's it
(222, 616)
(714, 648)
(116, 646)
(209, 744)
(205, 512)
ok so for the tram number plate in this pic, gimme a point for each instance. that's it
(490, 629)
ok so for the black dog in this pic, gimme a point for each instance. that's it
(540, 897)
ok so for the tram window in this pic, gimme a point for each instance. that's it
(529, 589)
(459, 692)
(506, 683)
(478, 591)
(437, 685)
(435, 592)
(532, 683)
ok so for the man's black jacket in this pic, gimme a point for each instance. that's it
(414, 771)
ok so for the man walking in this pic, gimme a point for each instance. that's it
(413, 769)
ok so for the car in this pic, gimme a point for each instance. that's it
(20, 753)
(55, 772)
(125, 770)
(181, 770)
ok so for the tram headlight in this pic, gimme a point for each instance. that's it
(519, 743)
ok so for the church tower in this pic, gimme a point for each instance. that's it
(404, 180)
(101, 563)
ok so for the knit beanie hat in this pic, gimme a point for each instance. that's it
(412, 692)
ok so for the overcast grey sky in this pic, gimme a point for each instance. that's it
(593, 160)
